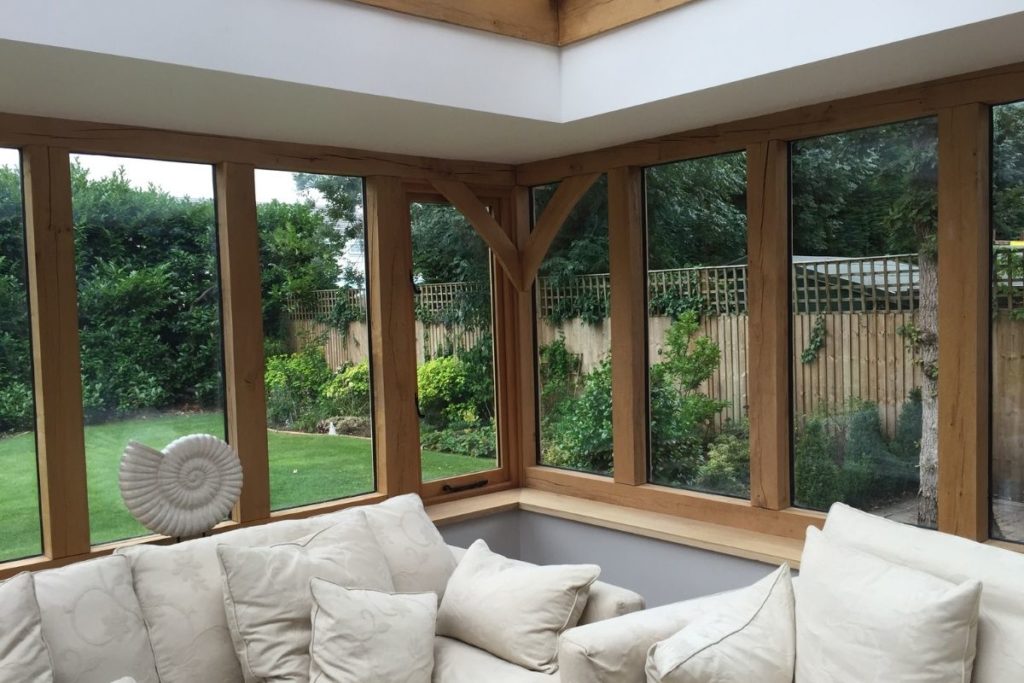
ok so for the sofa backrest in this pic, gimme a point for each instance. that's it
(179, 591)
(1001, 572)
(93, 624)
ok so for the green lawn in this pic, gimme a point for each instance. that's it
(304, 468)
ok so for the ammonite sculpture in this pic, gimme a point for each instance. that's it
(184, 490)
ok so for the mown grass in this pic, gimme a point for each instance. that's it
(304, 469)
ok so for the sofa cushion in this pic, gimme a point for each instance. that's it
(363, 635)
(861, 618)
(267, 597)
(1001, 621)
(419, 559)
(23, 653)
(513, 609)
(93, 622)
(750, 637)
(457, 662)
(179, 590)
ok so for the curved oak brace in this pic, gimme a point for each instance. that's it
(463, 199)
(568, 194)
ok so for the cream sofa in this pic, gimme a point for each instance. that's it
(156, 614)
(615, 650)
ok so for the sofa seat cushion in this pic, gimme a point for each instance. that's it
(93, 623)
(179, 590)
(23, 653)
(457, 662)
(1000, 656)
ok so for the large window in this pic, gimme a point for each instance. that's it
(573, 306)
(149, 316)
(316, 337)
(865, 338)
(1008, 322)
(452, 273)
(697, 324)
(19, 485)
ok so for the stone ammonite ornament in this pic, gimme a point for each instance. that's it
(183, 490)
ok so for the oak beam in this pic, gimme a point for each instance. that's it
(392, 336)
(60, 440)
(964, 318)
(463, 199)
(562, 202)
(629, 325)
(245, 398)
(769, 322)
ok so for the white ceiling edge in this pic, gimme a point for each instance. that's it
(331, 44)
(87, 84)
(710, 43)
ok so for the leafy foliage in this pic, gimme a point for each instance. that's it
(845, 457)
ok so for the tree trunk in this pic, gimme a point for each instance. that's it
(928, 357)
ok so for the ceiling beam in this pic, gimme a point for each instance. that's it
(533, 20)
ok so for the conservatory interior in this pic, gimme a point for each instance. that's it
(658, 340)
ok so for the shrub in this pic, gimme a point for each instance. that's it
(443, 391)
(478, 441)
(295, 389)
(349, 390)
(580, 436)
(846, 457)
(727, 467)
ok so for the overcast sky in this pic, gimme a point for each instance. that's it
(178, 179)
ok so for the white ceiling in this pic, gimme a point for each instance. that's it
(334, 72)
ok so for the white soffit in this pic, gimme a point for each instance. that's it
(339, 73)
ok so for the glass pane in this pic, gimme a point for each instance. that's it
(1008, 322)
(316, 337)
(148, 315)
(865, 342)
(697, 324)
(19, 485)
(454, 343)
(573, 305)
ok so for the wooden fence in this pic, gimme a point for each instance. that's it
(847, 314)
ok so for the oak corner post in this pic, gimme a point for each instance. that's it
(768, 310)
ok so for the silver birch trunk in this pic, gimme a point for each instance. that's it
(928, 350)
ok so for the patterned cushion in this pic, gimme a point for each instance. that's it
(419, 559)
(267, 598)
(23, 653)
(93, 623)
(362, 635)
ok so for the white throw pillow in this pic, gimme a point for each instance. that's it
(364, 635)
(1000, 622)
(419, 559)
(750, 636)
(860, 618)
(267, 599)
(23, 653)
(512, 609)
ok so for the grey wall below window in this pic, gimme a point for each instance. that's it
(662, 572)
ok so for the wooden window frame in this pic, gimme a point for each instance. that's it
(961, 102)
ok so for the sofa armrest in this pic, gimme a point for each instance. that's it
(615, 650)
(607, 602)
